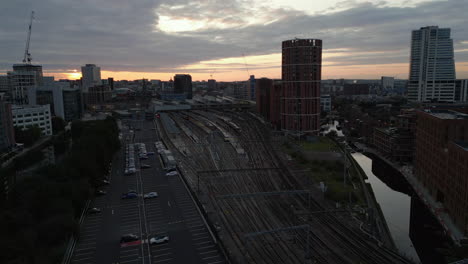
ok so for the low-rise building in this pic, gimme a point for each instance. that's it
(25, 116)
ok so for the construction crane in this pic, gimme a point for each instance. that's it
(245, 62)
(27, 56)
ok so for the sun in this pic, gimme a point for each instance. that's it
(73, 75)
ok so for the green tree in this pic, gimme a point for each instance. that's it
(58, 124)
(28, 136)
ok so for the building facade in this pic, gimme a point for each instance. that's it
(64, 101)
(7, 136)
(387, 83)
(183, 85)
(268, 93)
(325, 102)
(461, 91)
(441, 160)
(91, 76)
(301, 74)
(22, 78)
(26, 116)
(4, 85)
(351, 89)
(432, 66)
(251, 83)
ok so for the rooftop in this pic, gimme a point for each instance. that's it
(446, 114)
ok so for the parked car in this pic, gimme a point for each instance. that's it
(145, 166)
(172, 173)
(131, 191)
(128, 238)
(150, 195)
(100, 192)
(129, 195)
(150, 153)
(169, 169)
(94, 210)
(159, 240)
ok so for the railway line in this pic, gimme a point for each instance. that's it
(198, 147)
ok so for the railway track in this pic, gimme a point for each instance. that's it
(331, 241)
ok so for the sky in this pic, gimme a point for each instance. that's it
(226, 40)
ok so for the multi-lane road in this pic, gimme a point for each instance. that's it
(172, 213)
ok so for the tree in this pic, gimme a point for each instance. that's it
(58, 124)
(28, 136)
(332, 134)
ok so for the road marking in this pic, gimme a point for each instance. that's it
(168, 203)
(201, 248)
(112, 211)
(217, 256)
(208, 252)
(163, 260)
(216, 262)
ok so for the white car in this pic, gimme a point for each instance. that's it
(150, 195)
(172, 173)
(159, 239)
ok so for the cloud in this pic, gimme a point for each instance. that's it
(122, 35)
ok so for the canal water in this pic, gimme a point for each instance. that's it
(415, 231)
(396, 208)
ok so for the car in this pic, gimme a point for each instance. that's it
(94, 210)
(145, 166)
(169, 169)
(159, 239)
(100, 192)
(172, 173)
(129, 195)
(150, 195)
(150, 153)
(104, 182)
(129, 238)
(143, 157)
(131, 191)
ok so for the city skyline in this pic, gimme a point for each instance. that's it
(155, 40)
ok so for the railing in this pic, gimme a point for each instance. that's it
(72, 241)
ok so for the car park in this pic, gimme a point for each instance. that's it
(159, 240)
(150, 195)
(129, 238)
(94, 210)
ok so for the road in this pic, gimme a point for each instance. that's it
(173, 213)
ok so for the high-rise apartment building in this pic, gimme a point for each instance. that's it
(91, 76)
(301, 75)
(441, 161)
(22, 78)
(183, 84)
(432, 66)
